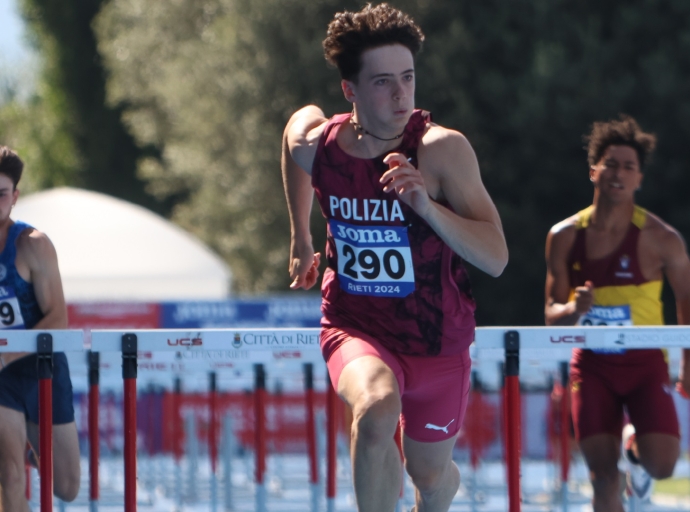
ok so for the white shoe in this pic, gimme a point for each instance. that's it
(639, 481)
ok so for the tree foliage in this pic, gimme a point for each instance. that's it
(211, 83)
(66, 132)
(34, 120)
(35, 130)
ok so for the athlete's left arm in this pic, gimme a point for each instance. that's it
(677, 271)
(473, 227)
(39, 254)
(36, 253)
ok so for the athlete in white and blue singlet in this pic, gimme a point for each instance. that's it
(31, 297)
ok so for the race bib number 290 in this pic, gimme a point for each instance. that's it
(10, 313)
(373, 260)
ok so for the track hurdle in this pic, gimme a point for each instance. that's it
(500, 344)
(565, 434)
(44, 344)
(260, 435)
(509, 344)
(212, 437)
(254, 346)
(331, 445)
(311, 435)
(44, 349)
(93, 361)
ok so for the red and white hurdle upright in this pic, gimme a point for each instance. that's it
(44, 344)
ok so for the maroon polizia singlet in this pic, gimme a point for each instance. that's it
(389, 274)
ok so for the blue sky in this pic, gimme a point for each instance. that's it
(18, 61)
(13, 48)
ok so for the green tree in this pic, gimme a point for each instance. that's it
(35, 131)
(33, 122)
(212, 84)
(100, 154)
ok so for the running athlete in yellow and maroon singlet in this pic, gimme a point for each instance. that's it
(604, 381)
(605, 266)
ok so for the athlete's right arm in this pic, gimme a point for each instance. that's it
(300, 140)
(558, 309)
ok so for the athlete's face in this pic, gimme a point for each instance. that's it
(8, 197)
(384, 91)
(617, 175)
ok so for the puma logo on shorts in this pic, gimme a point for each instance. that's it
(431, 426)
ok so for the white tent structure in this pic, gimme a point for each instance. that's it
(112, 250)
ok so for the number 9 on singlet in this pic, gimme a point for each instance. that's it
(10, 312)
(373, 260)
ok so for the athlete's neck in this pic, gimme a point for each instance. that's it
(358, 140)
(608, 216)
(363, 131)
(4, 230)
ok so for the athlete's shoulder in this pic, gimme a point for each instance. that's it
(302, 134)
(567, 227)
(307, 120)
(443, 149)
(442, 138)
(661, 233)
(34, 246)
(561, 237)
(307, 124)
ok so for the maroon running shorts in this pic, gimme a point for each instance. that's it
(434, 390)
(601, 386)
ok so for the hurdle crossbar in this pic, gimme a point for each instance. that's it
(64, 340)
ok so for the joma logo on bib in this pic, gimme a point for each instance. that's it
(366, 235)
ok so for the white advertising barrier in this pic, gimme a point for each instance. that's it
(64, 340)
(258, 345)
(211, 348)
(214, 347)
(556, 343)
(183, 363)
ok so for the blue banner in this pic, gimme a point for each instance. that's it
(266, 312)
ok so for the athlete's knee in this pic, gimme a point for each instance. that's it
(605, 480)
(661, 468)
(429, 480)
(658, 454)
(66, 485)
(12, 476)
(376, 418)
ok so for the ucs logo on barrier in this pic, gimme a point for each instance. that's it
(568, 339)
(185, 342)
(236, 340)
(3, 342)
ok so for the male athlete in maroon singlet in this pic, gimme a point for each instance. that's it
(605, 266)
(405, 206)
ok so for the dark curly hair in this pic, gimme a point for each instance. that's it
(622, 132)
(352, 33)
(11, 165)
